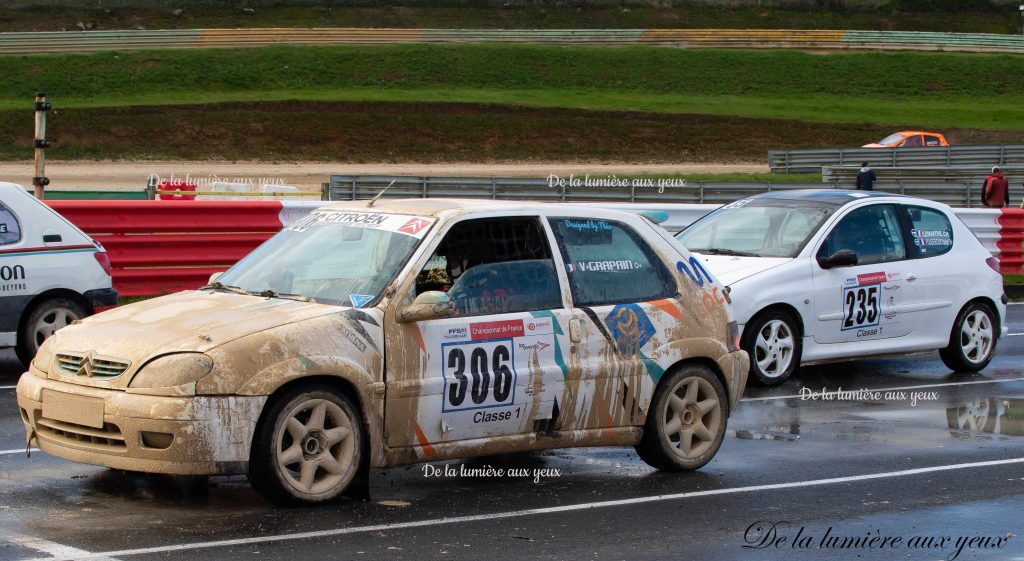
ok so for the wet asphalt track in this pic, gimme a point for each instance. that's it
(883, 468)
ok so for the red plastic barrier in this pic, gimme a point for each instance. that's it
(1011, 241)
(158, 247)
(147, 217)
(175, 185)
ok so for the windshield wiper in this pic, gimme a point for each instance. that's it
(227, 288)
(271, 293)
(719, 251)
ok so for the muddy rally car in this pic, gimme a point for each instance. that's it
(411, 331)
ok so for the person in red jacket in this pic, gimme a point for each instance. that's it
(996, 192)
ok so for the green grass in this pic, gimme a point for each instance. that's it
(941, 90)
(1013, 279)
(952, 16)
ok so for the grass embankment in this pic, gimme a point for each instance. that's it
(564, 15)
(636, 103)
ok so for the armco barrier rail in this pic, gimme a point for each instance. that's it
(167, 246)
(157, 247)
(810, 161)
(128, 40)
(354, 187)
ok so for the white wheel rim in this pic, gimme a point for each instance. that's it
(693, 417)
(48, 324)
(773, 348)
(315, 448)
(976, 337)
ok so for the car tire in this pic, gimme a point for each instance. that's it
(686, 420)
(773, 342)
(309, 446)
(42, 321)
(972, 341)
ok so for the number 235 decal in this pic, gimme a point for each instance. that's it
(478, 375)
(860, 306)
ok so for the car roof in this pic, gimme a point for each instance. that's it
(919, 132)
(837, 197)
(440, 206)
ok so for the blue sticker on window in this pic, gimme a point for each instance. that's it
(630, 327)
(358, 300)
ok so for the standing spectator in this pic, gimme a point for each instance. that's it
(866, 178)
(996, 192)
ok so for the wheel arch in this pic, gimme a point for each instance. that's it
(784, 307)
(47, 295)
(712, 366)
(986, 301)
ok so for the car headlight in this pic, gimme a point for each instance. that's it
(174, 370)
(44, 357)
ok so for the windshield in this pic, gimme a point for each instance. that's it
(756, 228)
(332, 257)
(891, 139)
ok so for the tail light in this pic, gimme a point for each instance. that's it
(994, 263)
(103, 260)
(732, 337)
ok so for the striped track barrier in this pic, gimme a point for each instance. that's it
(133, 40)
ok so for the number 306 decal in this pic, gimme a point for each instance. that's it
(860, 306)
(479, 374)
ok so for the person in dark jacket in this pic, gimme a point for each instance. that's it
(866, 178)
(996, 192)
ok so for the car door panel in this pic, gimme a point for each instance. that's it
(881, 299)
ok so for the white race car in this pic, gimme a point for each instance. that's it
(826, 275)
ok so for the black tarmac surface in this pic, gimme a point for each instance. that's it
(933, 467)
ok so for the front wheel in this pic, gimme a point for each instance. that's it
(686, 421)
(972, 342)
(773, 343)
(42, 321)
(308, 446)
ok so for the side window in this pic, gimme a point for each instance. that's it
(608, 263)
(494, 266)
(10, 230)
(931, 233)
(931, 140)
(872, 232)
(912, 141)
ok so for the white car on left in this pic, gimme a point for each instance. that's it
(51, 273)
(824, 275)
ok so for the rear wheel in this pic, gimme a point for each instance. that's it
(308, 446)
(773, 343)
(686, 421)
(43, 320)
(972, 342)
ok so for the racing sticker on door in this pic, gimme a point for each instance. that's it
(869, 303)
(497, 375)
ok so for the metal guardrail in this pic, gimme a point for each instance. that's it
(128, 40)
(810, 161)
(957, 186)
(357, 187)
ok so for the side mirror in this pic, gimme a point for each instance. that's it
(429, 305)
(214, 277)
(841, 258)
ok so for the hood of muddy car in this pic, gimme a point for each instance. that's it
(193, 321)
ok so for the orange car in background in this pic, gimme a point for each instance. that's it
(909, 139)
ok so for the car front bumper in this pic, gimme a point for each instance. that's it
(201, 435)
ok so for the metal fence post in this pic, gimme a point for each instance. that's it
(967, 193)
(353, 197)
(424, 188)
(494, 188)
(39, 145)
(701, 200)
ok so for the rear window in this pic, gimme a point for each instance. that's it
(608, 263)
(931, 234)
(10, 230)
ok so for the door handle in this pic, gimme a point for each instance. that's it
(575, 330)
(911, 277)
